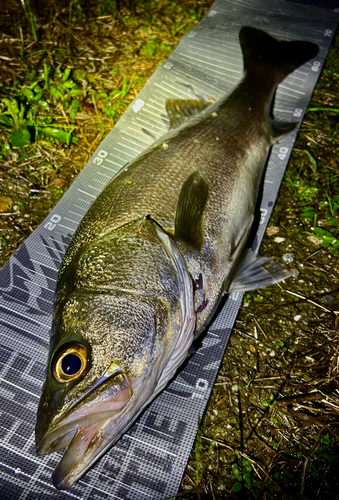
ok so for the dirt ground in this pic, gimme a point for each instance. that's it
(271, 427)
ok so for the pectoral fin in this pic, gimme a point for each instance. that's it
(190, 211)
(254, 272)
(181, 110)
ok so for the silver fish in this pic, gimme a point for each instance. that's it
(150, 261)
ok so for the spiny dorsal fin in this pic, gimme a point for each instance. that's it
(181, 110)
(280, 129)
(190, 210)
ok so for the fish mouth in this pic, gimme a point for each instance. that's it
(83, 429)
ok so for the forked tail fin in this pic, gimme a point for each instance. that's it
(267, 57)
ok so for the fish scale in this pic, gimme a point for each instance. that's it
(147, 462)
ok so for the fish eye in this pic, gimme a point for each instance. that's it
(70, 363)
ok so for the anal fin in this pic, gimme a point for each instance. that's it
(279, 129)
(254, 272)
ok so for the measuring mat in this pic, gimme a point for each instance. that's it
(150, 459)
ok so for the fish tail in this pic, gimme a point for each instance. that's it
(267, 58)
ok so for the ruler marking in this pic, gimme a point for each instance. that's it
(107, 168)
(168, 84)
(115, 163)
(280, 93)
(104, 491)
(133, 137)
(192, 77)
(36, 479)
(19, 387)
(95, 189)
(160, 106)
(276, 110)
(224, 45)
(149, 125)
(34, 283)
(223, 72)
(124, 153)
(222, 41)
(133, 438)
(21, 301)
(70, 220)
(296, 78)
(27, 457)
(88, 194)
(36, 272)
(14, 325)
(190, 387)
(177, 396)
(66, 227)
(144, 426)
(103, 175)
(225, 63)
(292, 90)
(171, 92)
(226, 53)
(85, 201)
(123, 160)
(52, 248)
(45, 265)
(59, 242)
(74, 213)
(116, 481)
(147, 110)
(46, 255)
(10, 338)
(138, 151)
(24, 315)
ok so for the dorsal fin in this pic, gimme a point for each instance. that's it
(181, 110)
(190, 210)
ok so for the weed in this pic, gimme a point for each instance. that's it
(3, 242)
(108, 7)
(324, 455)
(22, 112)
(282, 345)
(327, 239)
(269, 402)
(31, 18)
(200, 466)
(258, 297)
(235, 423)
(57, 192)
(313, 161)
(241, 472)
(5, 150)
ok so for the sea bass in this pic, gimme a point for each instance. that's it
(151, 259)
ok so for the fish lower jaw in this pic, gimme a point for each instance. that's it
(79, 455)
(63, 433)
